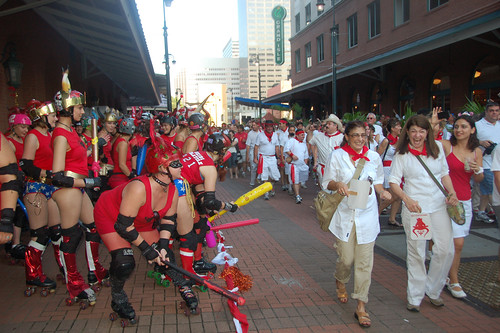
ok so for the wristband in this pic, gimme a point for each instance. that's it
(479, 171)
(147, 250)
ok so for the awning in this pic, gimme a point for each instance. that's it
(255, 103)
(109, 35)
(458, 33)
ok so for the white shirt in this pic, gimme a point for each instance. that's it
(282, 136)
(340, 168)
(418, 185)
(495, 166)
(487, 131)
(267, 147)
(326, 144)
(298, 149)
(378, 130)
(251, 137)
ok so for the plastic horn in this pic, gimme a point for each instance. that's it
(248, 197)
(212, 286)
(95, 146)
(141, 158)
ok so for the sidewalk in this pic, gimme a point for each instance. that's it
(291, 261)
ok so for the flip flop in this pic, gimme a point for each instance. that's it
(363, 319)
(395, 224)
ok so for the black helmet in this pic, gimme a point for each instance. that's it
(216, 143)
(196, 121)
(168, 120)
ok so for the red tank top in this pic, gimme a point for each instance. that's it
(107, 152)
(200, 141)
(114, 152)
(191, 163)
(107, 208)
(76, 156)
(169, 140)
(459, 178)
(19, 148)
(44, 153)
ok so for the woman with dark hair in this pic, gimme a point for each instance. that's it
(386, 150)
(465, 161)
(371, 138)
(121, 154)
(232, 163)
(420, 194)
(355, 229)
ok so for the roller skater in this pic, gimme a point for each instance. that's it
(98, 276)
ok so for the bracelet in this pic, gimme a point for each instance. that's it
(479, 171)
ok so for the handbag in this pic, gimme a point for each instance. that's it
(456, 213)
(326, 203)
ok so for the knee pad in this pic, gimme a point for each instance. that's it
(91, 234)
(189, 241)
(15, 184)
(71, 239)
(20, 218)
(42, 235)
(55, 233)
(122, 263)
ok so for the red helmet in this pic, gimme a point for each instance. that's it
(163, 154)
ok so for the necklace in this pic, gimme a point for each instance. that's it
(164, 186)
(68, 127)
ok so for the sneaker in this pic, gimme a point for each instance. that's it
(298, 199)
(284, 187)
(272, 193)
(483, 217)
(266, 196)
(243, 174)
(252, 184)
(303, 185)
(437, 302)
(413, 308)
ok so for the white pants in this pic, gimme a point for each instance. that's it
(253, 167)
(432, 282)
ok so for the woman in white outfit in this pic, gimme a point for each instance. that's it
(421, 195)
(355, 230)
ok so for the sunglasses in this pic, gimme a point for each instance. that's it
(176, 164)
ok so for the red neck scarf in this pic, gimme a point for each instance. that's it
(269, 135)
(392, 140)
(439, 136)
(298, 139)
(332, 135)
(355, 156)
(416, 152)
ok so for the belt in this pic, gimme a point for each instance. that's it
(74, 175)
(43, 180)
(387, 163)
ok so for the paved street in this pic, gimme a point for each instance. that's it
(292, 263)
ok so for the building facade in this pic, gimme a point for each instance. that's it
(393, 54)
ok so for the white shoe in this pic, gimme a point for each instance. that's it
(298, 199)
(455, 293)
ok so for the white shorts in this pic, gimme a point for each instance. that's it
(270, 169)
(298, 174)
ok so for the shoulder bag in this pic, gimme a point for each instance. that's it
(456, 213)
(326, 203)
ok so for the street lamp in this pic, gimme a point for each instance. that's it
(321, 6)
(256, 61)
(230, 90)
(167, 3)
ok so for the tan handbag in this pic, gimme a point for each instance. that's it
(326, 204)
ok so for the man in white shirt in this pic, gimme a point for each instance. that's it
(252, 136)
(265, 151)
(495, 168)
(282, 137)
(488, 133)
(371, 119)
(322, 144)
(299, 171)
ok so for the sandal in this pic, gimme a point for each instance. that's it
(363, 319)
(342, 294)
(394, 224)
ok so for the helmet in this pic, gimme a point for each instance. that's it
(168, 120)
(217, 143)
(110, 117)
(163, 154)
(38, 109)
(146, 116)
(127, 126)
(64, 100)
(19, 119)
(85, 121)
(196, 121)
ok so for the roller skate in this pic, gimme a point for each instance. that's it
(125, 311)
(48, 286)
(86, 298)
(190, 303)
(16, 253)
(95, 283)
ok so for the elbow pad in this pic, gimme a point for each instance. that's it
(210, 202)
(121, 225)
(60, 180)
(7, 221)
(15, 184)
(29, 168)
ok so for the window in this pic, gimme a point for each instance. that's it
(401, 12)
(297, 22)
(374, 19)
(335, 34)
(308, 55)
(436, 3)
(308, 13)
(352, 26)
(297, 61)
(320, 48)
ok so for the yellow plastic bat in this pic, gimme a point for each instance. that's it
(248, 197)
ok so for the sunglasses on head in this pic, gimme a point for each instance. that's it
(176, 164)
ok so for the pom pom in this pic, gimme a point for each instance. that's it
(240, 280)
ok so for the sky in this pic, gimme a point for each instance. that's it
(196, 29)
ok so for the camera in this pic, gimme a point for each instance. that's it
(489, 150)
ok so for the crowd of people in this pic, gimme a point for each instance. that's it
(151, 179)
